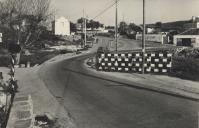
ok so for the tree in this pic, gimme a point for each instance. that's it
(73, 27)
(123, 28)
(80, 20)
(90, 23)
(25, 18)
(158, 24)
(134, 27)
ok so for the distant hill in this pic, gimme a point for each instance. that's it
(176, 25)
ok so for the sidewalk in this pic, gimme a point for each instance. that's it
(159, 83)
(43, 101)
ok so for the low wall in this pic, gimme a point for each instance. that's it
(152, 37)
(132, 62)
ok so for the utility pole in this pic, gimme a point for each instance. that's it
(84, 27)
(85, 38)
(123, 17)
(116, 27)
(143, 39)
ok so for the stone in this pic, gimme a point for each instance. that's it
(23, 114)
(21, 98)
(21, 103)
(23, 123)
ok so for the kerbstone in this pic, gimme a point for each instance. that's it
(23, 124)
(21, 99)
(23, 114)
(17, 104)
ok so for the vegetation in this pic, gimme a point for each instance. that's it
(186, 64)
(73, 27)
(129, 30)
(25, 20)
(90, 23)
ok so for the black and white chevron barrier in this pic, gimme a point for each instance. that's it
(132, 62)
(12, 74)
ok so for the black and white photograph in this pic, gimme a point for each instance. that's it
(99, 63)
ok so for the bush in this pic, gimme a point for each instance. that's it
(186, 67)
(5, 60)
(131, 36)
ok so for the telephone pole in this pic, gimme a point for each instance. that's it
(85, 38)
(116, 27)
(84, 28)
(143, 39)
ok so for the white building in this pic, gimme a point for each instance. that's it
(187, 38)
(61, 26)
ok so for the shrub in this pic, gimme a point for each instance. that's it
(5, 60)
(186, 67)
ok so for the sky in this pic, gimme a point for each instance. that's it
(128, 10)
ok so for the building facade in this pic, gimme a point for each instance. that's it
(61, 27)
(188, 38)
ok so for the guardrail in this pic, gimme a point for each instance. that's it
(155, 62)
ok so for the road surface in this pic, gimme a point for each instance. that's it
(95, 102)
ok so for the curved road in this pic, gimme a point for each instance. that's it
(95, 102)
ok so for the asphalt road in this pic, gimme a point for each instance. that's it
(95, 102)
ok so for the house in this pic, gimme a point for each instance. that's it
(61, 26)
(187, 38)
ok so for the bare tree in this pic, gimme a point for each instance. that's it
(28, 15)
(26, 18)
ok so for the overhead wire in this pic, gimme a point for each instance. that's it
(106, 9)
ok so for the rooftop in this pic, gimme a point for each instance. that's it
(193, 31)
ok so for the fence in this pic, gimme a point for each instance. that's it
(133, 62)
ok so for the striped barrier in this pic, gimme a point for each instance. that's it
(132, 62)
(13, 83)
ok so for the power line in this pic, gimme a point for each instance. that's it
(102, 12)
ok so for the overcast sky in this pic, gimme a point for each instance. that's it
(129, 10)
